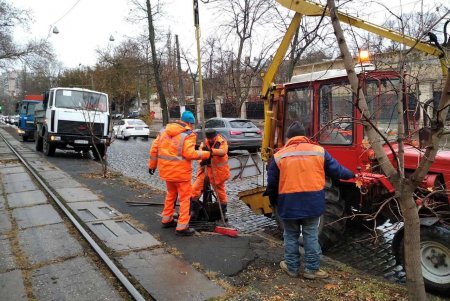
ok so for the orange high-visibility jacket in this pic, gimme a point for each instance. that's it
(296, 178)
(172, 152)
(302, 169)
(219, 171)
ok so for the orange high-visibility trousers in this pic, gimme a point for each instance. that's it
(183, 190)
(197, 188)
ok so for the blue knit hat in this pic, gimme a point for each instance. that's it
(188, 117)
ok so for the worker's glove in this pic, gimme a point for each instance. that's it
(151, 171)
(207, 149)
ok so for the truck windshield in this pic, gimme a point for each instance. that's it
(382, 99)
(31, 107)
(27, 108)
(80, 100)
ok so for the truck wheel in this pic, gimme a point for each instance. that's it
(24, 138)
(332, 222)
(101, 151)
(48, 148)
(38, 143)
(435, 257)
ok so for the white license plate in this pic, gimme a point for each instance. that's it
(249, 134)
(138, 129)
(81, 141)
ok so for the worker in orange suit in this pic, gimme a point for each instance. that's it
(217, 166)
(172, 153)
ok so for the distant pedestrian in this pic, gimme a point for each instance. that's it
(172, 153)
(296, 179)
(217, 168)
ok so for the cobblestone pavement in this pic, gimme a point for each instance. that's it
(356, 249)
(360, 249)
(131, 158)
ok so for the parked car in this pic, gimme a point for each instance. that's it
(241, 134)
(134, 114)
(14, 119)
(117, 116)
(127, 128)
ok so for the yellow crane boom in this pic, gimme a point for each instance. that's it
(308, 8)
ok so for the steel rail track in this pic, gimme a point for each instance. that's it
(113, 268)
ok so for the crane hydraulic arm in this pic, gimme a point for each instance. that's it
(308, 8)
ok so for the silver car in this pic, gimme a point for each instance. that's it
(241, 134)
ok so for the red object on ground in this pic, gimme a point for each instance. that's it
(34, 97)
(226, 231)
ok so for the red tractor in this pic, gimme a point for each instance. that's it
(324, 103)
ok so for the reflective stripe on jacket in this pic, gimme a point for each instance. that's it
(219, 160)
(172, 152)
(299, 162)
(296, 178)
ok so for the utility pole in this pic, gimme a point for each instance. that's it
(182, 99)
(199, 63)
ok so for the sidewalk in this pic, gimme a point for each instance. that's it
(43, 257)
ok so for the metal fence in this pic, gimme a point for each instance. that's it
(255, 110)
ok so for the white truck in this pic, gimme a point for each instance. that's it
(73, 118)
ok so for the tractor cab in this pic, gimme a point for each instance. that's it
(324, 103)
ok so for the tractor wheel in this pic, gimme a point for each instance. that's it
(332, 223)
(434, 257)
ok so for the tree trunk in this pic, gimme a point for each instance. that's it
(411, 245)
(292, 60)
(159, 86)
(404, 189)
(182, 98)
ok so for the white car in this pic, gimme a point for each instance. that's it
(127, 128)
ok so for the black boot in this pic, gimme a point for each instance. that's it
(171, 224)
(224, 211)
(185, 232)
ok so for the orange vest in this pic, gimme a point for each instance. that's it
(301, 166)
(219, 161)
(172, 152)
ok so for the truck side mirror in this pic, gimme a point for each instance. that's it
(425, 137)
(45, 100)
(113, 107)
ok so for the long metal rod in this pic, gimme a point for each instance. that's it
(114, 269)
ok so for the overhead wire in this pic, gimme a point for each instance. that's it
(70, 9)
(65, 14)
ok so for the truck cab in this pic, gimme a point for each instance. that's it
(26, 125)
(73, 118)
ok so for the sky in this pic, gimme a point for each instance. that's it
(90, 23)
(86, 25)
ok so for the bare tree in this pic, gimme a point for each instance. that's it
(150, 13)
(241, 20)
(182, 98)
(11, 51)
(405, 185)
(193, 74)
(156, 64)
